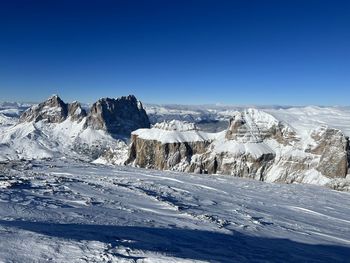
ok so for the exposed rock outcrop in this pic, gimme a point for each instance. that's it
(332, 145)
(191, 150)
(53, 110)
(164, 156)
(118, 116)
(169, 145)
(76, 112)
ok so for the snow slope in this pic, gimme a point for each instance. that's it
(304, 119)
(30, 140)
(78, 212)
(165, 136)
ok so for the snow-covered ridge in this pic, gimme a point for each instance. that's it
(302, 119)
(175, 125)
(257, 123)
(273, 144)
(305, 119)
(260, 118)
(172, 136)
(236, 148)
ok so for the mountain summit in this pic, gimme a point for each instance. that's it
(118, 116)
(53, 110)
(54, 128)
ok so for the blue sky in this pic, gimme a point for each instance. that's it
(188, 52)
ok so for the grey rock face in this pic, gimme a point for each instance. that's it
(243, 165)
(196, 157)
(76, 112)
(53, 110)
(118, 116)
(165, 156)
(246, 165)
(328, 156)
(332, 145)
(282, 134)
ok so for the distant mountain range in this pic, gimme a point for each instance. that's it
(275, 144)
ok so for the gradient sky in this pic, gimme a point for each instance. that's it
(174, 51)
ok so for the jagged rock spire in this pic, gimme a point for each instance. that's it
(118, 116)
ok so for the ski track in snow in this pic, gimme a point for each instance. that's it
(75, 212)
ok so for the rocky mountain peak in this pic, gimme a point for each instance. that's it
(53, 110)
(118, 116)
(76, 112)
(55, 99)
(252, 125)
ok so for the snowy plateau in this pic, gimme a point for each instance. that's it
(74, 188)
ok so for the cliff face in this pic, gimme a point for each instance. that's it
(76, 112)
(165, 156)
(118, 116)
(255, 145)
(166, 147)
(332, 145)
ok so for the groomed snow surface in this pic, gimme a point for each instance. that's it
(61, 211)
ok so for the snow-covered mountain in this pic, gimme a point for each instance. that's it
(306, 116)
(283, 144)
(56, 129)
(256, 145)
(118, 116)
(57, 206)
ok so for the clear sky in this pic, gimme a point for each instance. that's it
(293, 52)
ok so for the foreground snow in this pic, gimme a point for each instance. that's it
(75, 212)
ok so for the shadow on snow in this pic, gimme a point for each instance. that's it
(192, 244)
